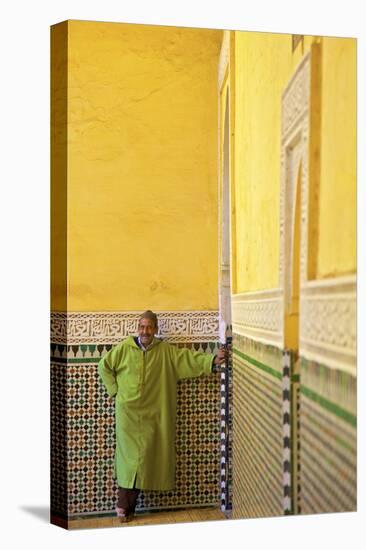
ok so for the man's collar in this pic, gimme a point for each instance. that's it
(142, 345)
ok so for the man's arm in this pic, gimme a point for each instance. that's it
(190, 364)
(106, 369)
(219, 359)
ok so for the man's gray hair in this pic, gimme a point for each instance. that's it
(148, 314)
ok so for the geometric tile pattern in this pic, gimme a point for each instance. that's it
(291, 428)
(301, 421)
(226, 398)
(328, 439)
(229, 438)
(295, 444)
(59, 491)
(258, 442)
(287, 435)
(83, 437)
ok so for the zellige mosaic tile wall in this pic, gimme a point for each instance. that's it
(83, 435)
(328, 442)
(258, 428)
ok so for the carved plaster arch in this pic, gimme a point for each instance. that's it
(327, 327)
(294, 154)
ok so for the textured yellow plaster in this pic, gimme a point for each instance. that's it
(338, 193)
(59, 166)
(264, 64)
(142, 167)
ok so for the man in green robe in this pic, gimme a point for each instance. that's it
(141, 373)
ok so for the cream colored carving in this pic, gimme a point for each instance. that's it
(111, 327)
(258, 315)
(295, 99)
(294, 151)
(328, 322)
(327, 308)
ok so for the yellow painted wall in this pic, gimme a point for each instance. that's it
(264, 63)
(222, 99)
(142, 167)
(58, 251)
(261, 68)
(337, 199)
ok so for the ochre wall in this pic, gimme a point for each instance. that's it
(142, 167)
(337, 200)
(260, 70)
(224, 91)
(263, 65)
(58, 252)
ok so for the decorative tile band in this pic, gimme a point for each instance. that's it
(329, 406)
(91, 353)
(112, 327)
(258, 364)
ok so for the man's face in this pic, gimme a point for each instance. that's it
(147, 331)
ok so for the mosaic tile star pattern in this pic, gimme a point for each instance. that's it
(83, 436)
(58, 440)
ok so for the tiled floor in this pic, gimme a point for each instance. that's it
(151, 518)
